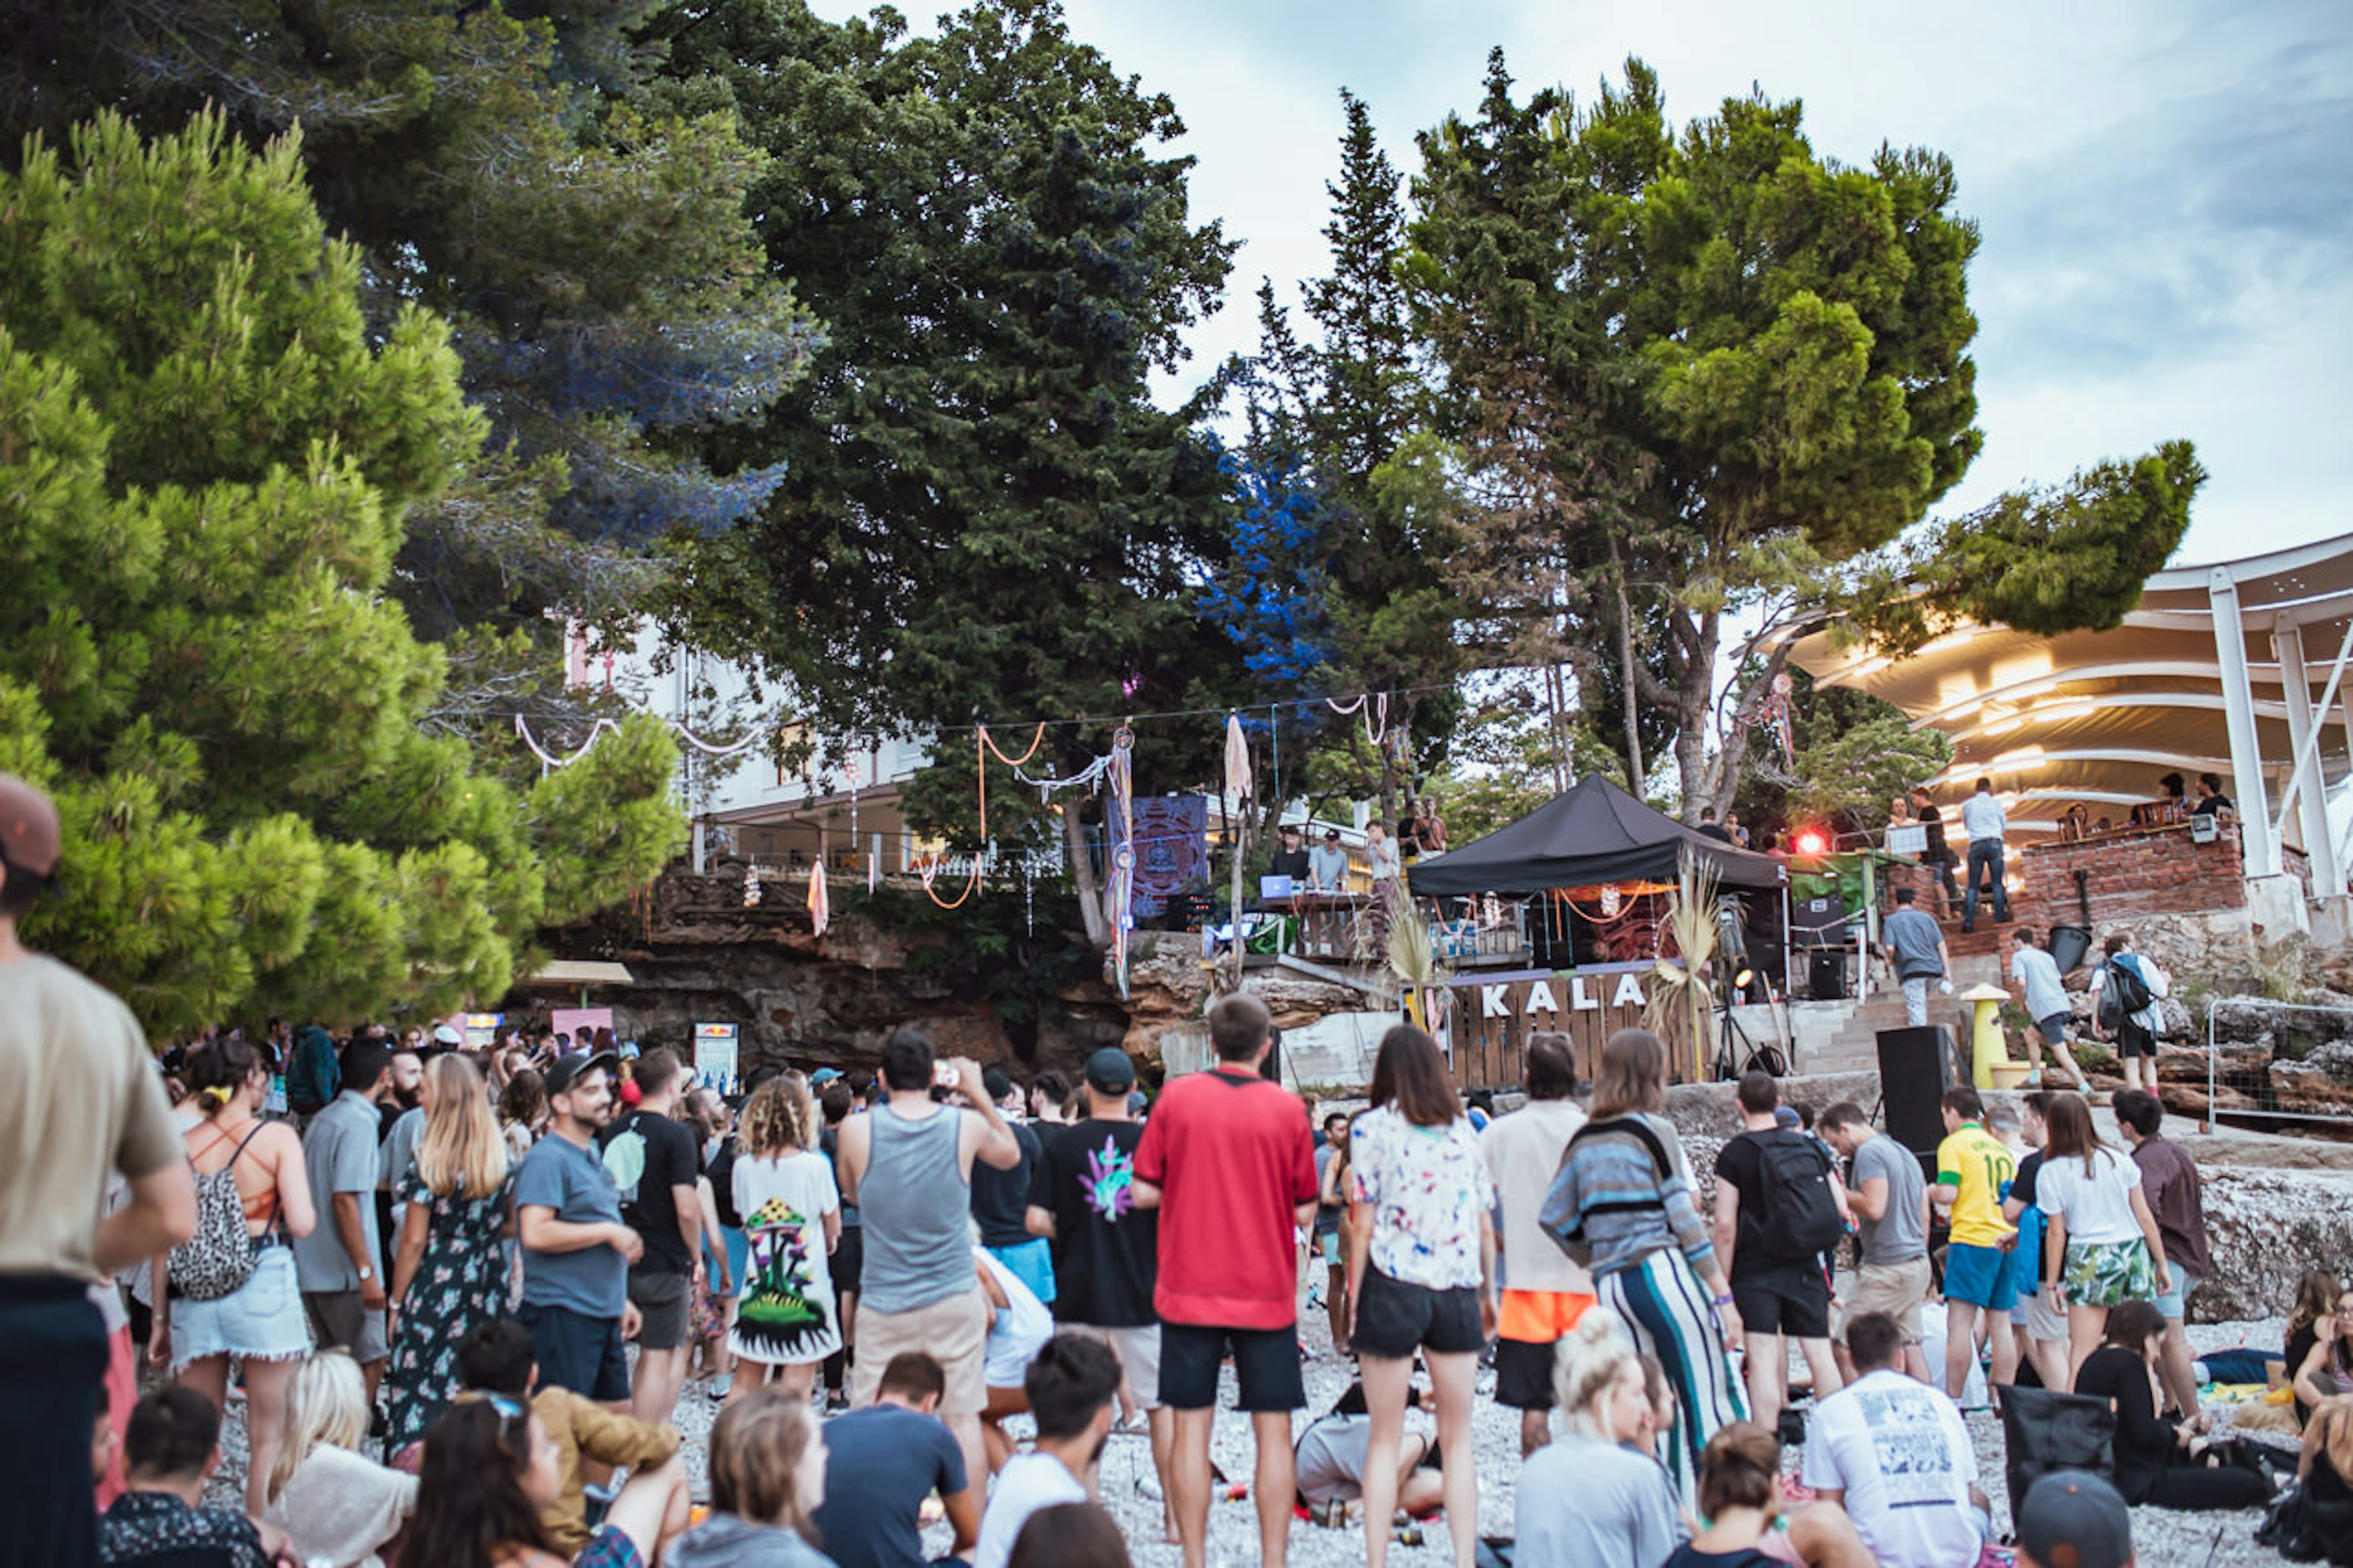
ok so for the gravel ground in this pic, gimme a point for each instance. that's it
(2164, 1539)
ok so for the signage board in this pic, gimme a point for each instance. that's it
(1494, 1015)
(715, 1054)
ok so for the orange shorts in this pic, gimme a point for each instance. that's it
(1539, 1317)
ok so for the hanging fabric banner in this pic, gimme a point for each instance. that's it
(1172, 849)
(1122, 854)
(820, 905)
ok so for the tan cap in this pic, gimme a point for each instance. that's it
(30, 837)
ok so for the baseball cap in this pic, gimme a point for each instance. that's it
(567, 1069)
(1787, 1116)
(823, 1076)
(448, 1035)
(1110, 1071)
(2071, 1519)
(1331, 836)
(30, 839)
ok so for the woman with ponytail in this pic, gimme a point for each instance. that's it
(260, 1322)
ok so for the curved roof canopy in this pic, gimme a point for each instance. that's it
(2098, 717)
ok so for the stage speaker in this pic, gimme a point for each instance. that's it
(1818, 923)
(1826, 974)
(1916, 1068)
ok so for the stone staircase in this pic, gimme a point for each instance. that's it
(1843, 1037)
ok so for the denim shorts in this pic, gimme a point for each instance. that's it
(2171, 1305)
(261, 1318)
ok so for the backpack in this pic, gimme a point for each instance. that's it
(1800, 1215)
(218, 1257)
(2123, 992)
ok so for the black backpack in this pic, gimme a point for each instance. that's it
(1801, 1213)
(2123, 993)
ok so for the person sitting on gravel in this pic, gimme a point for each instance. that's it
(1073, 1385)
(2315, 1306)
(885, 1460)
(1583, 1498)
(2159, 1460)
(1331, 1454)
(2325, 1472)
(1914, 1503)
(1740, 1498)
(2326, 1370)
(497, 1363)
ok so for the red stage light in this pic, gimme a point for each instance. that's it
(1812, 841)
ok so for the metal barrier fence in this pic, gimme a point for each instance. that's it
(2297, 1066)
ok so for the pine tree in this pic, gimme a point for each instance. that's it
(984, 517)
(206, 460)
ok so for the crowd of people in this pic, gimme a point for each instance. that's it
(462, 1295)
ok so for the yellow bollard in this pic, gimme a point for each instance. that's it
(1987, 1045)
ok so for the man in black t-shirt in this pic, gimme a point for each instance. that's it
(1106, 1250)
(652, 1158)
(1778, 1296)
(1291, 861)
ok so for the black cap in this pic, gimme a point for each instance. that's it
(1110, 1072)
(567, 1069)
(1331, 836)
(2073, 1518)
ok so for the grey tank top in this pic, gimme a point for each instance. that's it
(916, 1204)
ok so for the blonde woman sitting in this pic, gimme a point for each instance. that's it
(334, 1503)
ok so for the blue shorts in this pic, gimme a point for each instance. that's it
(2172, 1303)
(578, 1352)
(1032, 1263)
(1979, 1275)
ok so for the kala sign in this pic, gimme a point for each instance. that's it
(1494, 1015)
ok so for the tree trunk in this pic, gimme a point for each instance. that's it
(1090, 890)
(1634, 769)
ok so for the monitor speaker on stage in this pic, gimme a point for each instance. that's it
(1818, 923)
(1826, 974)
(1916, 1068)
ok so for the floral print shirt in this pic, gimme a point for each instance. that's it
(1428, 1188)
(142, 1527)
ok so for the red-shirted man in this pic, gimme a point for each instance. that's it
(1229, 1158)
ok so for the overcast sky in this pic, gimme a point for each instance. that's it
(2166, 191)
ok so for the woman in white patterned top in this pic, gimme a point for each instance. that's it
(1421, 1272)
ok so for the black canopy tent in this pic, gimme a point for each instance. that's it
(1594, 834)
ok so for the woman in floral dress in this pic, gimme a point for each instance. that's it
(449, 1273)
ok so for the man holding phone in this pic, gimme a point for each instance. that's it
(908, 1167)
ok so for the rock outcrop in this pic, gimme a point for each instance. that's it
(2265, 1228)
(696, 953)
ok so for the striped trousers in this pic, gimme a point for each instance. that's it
(1663, 1304)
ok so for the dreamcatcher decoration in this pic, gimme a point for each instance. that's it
(750, 887)
(983, 746)
(1121, 776)
(1771, 713)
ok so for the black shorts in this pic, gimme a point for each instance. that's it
(1793, 1299)
(1266, 1367)
(578, 1352)
(2132, 1040)
(661, 1301)
(1523, 1373)
(850, 1261)
(1395, 1319)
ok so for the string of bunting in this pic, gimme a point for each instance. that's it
(596, 732)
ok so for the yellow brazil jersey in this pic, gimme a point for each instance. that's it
(1979, 1166)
